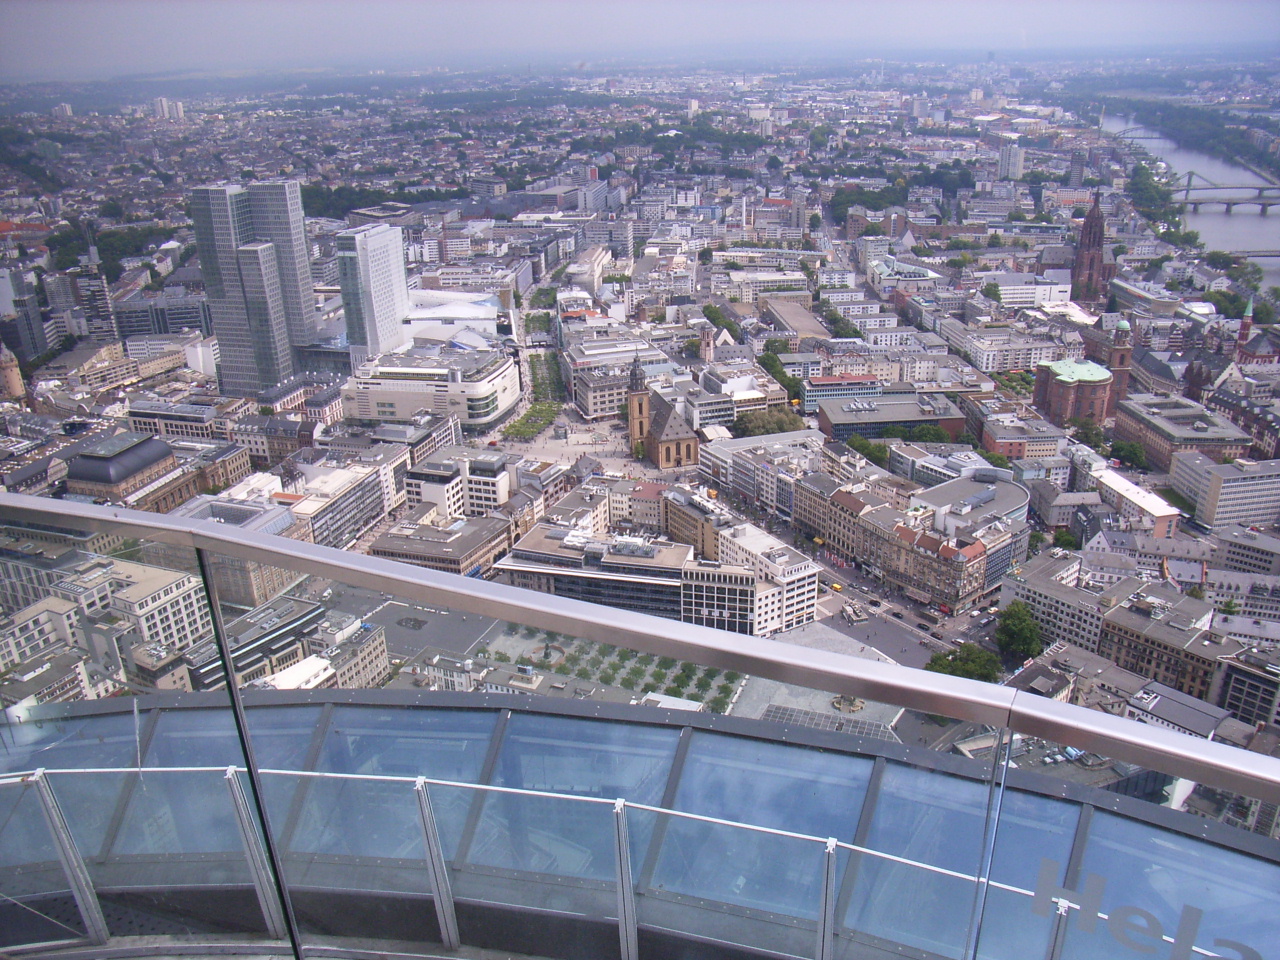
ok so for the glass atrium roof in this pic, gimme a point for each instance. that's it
(523, 793)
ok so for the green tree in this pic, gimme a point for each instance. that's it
(773, 366)
(692, 346)
(1018, 633)
(1035, 541)
(1247, 274)
(1087, 431)
(1229, 607)
(968, 438)
(815, 222)
(1066, 539)
(773, 163)
(992, 292)
(1219, 260)
(1131, 453)
(756, 423)
(967, 660)
(843, 329)
(718, 319)
(704, 256)
(929, 433)
(998, 460)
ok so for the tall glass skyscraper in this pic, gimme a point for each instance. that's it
(253, 255)
(375, 294)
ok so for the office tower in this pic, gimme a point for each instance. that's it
(253, 254)
(1012, 163)
(95, 299)
(276, 207)
(375, 294)
(60, 288)
(1075, 177)
(11, 283)
(21, 326)
(63, 111)
(160, 107)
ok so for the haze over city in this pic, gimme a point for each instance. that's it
(735, 479)
(99, 40)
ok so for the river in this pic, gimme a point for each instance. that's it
(1243, 228)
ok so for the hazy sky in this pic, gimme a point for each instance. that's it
(99, 39)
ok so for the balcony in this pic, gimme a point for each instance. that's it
(403, 821)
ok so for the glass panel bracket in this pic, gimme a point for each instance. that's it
(259, 868)
(86, 897)
(437, 870)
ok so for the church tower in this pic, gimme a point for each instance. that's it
(707, 343)
(639, 412)
(1087, 271)
(1246, 332)
(1118, 362)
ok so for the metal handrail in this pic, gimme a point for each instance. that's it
(1192, 758)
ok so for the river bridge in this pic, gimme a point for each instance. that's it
(1208, 192)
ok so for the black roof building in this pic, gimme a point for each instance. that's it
(117, 458)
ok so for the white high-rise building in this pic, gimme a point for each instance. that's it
(165, 109)
(1012, 163)
(253, 255)
(375, 293)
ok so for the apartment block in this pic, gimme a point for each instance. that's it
(1241, 492)
(1165, 425)
(1163, 635)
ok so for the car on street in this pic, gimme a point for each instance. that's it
(897, 614)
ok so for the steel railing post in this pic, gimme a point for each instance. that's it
(827, 904)
(437, 870)
(628, 935)
(259, 868)
(95, 924)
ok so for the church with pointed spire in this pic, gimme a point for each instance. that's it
(1255, 347)
(656, 427)
(639, 409)
(1093, 269)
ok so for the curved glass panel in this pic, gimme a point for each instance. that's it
(36, 905)
(930, 818)
(735, 885)
(1030, 828)
(105, 740)
(566, 755)
(164, 851)
(768, 785)
(346, 840)
(1164, 893)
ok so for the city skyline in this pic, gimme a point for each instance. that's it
(94, 38)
